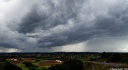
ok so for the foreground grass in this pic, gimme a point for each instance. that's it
(22, 66)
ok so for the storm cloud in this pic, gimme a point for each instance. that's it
(60, 25)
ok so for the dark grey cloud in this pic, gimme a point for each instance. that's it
(70, 37)
(115, 23)
(30, 22)
(110, 25)
(50, 17)
(56, 23)
(7, 45)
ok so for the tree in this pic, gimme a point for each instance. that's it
(30, 66)
(2, 59)
(72, 64)
(104, 55)
(115, 58)
(8, 66)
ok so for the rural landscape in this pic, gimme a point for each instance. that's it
(63, 34)
(63, 61)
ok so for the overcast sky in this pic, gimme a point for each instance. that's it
(63, 25)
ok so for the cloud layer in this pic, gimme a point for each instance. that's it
(64, 25)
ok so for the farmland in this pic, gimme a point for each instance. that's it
(51, 61)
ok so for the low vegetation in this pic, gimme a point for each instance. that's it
(61, 61)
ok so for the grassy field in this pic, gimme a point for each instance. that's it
(22, 66)
(40, 63)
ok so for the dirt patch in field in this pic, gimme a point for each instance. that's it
(14, 62)
(48, 63)
(27, 59)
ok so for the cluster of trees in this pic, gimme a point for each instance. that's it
(5, 65)
(115, 57)
(72, 64)
(111, 57)
(8, 66)
(30, 66)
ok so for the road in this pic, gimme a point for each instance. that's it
(106, 63)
